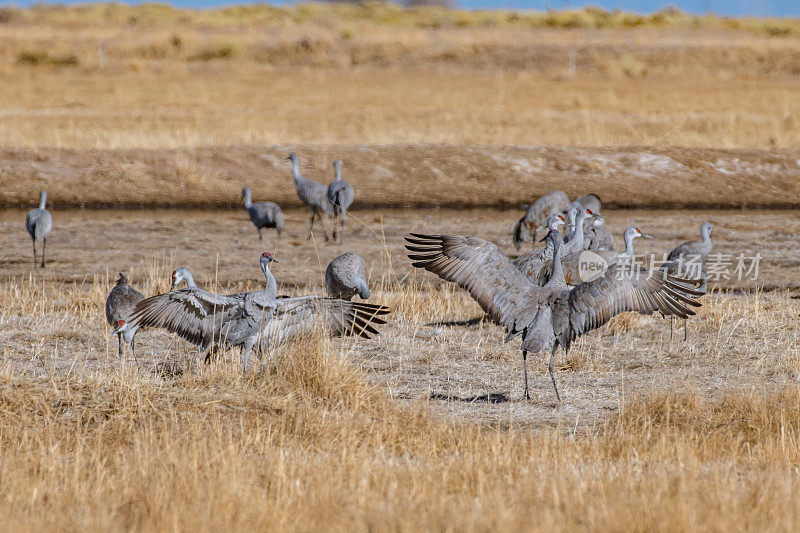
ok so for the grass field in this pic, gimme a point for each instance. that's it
(702, 434)
(446, 121)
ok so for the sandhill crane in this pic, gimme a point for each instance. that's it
(314, 196)
(39, 222)
(253, 319)
(597, 235)
(583, 266)
(344, 277)
(553, 202)
(340, 195)
(263, 214)
(687, 261)
(548, 316)
(589, 201)
(530, 262)
(119, 307)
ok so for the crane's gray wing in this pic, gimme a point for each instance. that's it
(310, 314)
(627, 287)
(481, 268)
(193, 314)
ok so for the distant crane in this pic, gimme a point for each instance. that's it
(120, 304)
(344, 277)
(340, 195)
(687, 261)
(314, 196)
(39, 223)
(263, 214)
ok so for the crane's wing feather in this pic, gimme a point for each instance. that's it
(482, 269)
(309, 314)
(627, 287)
(194, 314)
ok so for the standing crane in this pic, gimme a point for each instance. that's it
(340, 195)
(553, 315)
(344, 277)
(687, 261)
(263, 214)
(120, 304)
(314, 196)
(39, 223)
(253, 319)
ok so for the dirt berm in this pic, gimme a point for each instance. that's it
(404, 175)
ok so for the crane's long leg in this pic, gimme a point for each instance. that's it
(322, 222)
(34, 253)
(671, 318)
(311, 227)
(133, 349)
(527, 396)
(259, 234)
(684, 328)
(44, 244)
(119, 337)
(248, 347)
(550, 368)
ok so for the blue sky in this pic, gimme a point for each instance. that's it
(781, 8)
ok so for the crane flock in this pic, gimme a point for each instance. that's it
(546, 296)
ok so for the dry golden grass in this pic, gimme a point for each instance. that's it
(315, 440)
(106, 77)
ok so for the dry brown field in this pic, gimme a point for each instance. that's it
(143, 123)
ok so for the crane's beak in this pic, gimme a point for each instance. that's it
(275, 260)
(647, 236)
(545, 237)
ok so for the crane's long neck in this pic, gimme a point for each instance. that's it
(42, 199)
(296, 170)
(557, 278)
(571, 214)
(338, 171)
(248, 198)
(189, 280)
(271, 292)
(706, 234)
(577, 234)
(629, 244)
